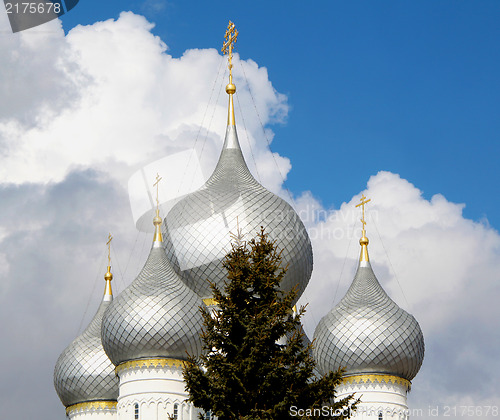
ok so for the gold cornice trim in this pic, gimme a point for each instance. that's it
(376, 378)
(91, 405)
(149, 363)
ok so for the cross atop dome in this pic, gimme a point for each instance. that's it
(363, 258)
(110, 238)
(158, 179)
(227, 48)
(108, 293)
(363, 202)
(158, 238)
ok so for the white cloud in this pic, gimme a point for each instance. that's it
(130, 103)
(34, 73)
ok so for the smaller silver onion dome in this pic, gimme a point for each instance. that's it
(367, 332)
(83, 371)
(157, 316)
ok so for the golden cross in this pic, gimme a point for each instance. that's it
(109, 248)
(227, 48)
(158, 179)
(363, 202)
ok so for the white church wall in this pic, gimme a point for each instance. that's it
(383, 397)
(149, 392)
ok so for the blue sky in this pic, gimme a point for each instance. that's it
(408, 87)
(394, 99)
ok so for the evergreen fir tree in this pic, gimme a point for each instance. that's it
(254, 364)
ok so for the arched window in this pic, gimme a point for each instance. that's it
(136, 411)
(176, 411)
(380, 416)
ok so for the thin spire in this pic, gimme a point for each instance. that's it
(108, 293)
(363, 258)
(227, 48)
(158, 238)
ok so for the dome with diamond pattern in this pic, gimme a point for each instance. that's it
(367, 332)
(83, 371)
(199, 227)
(157, 316)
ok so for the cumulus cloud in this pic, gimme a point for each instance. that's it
(129, 103)
(37, 76)
(108, 100)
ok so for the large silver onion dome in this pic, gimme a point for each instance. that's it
(198, 227)
(367, 332)
(157, 316)
(83, 371)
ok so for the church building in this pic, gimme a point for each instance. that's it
(127, 364)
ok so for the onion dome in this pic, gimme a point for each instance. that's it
(83, 372)
(157, 316)
(367, 332)
(198, 227)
